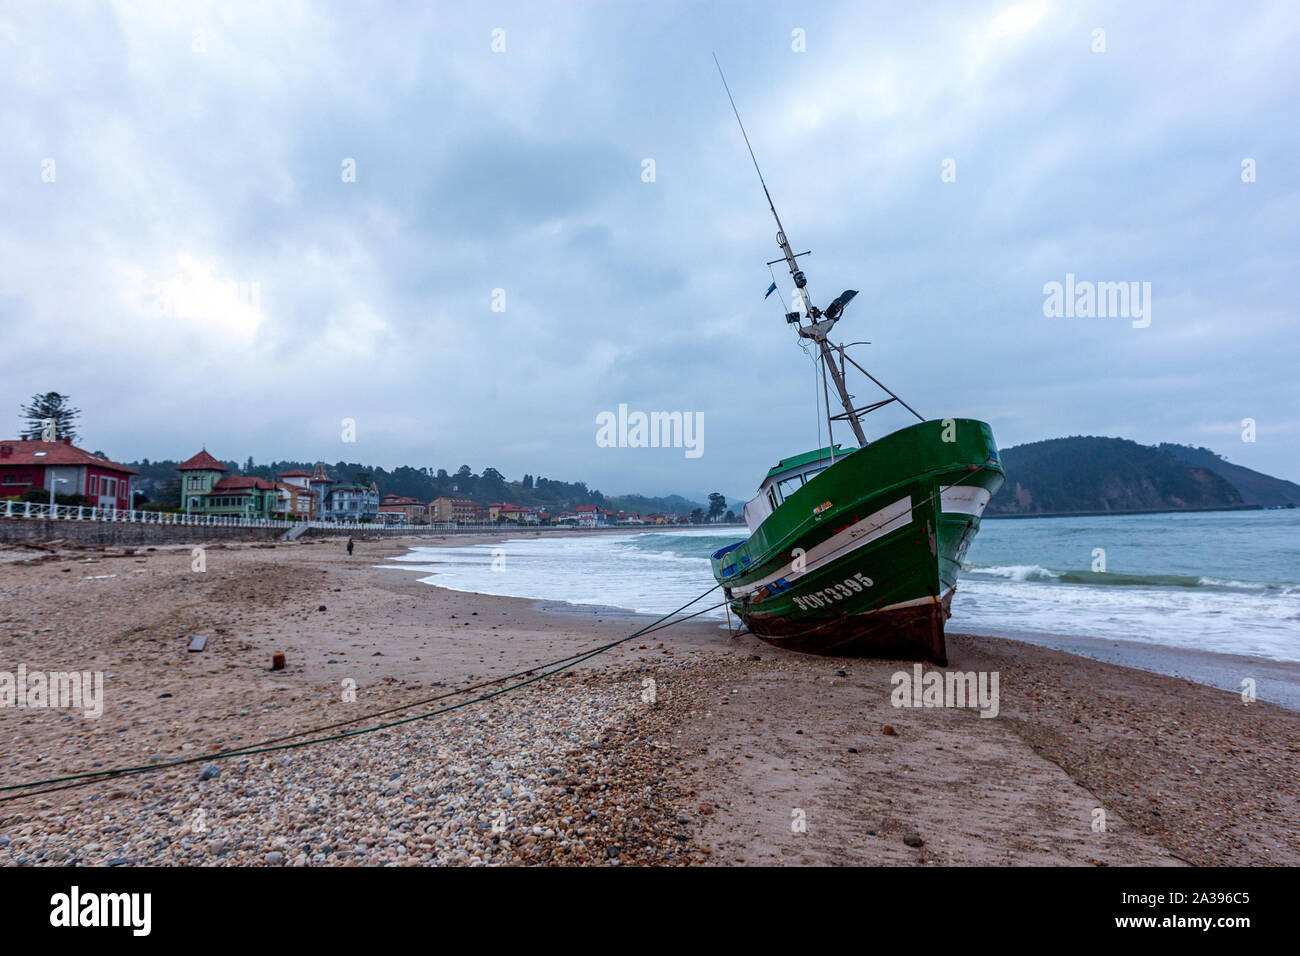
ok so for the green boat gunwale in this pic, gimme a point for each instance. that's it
(777, 550)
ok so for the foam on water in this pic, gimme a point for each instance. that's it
(1226, 582)
(647, 573)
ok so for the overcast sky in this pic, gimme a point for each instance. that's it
(195, 147)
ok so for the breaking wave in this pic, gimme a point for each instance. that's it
(1038, 573)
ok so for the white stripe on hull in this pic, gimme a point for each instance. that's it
(885, 521)
(963, 499)
(928, 599)
(915, 602)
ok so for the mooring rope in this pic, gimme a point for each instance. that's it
(274, 744)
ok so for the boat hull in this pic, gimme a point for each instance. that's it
(863, 559)
(913, 631)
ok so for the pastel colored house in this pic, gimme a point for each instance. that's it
(242, 496)
(198, 475)
(296, 495)
(589, 516)
(207, 490)
(321, 484)
(459, 510)
(352, 502)
(397, 509)
(515, 514)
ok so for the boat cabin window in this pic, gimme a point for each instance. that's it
(783, 488)
(776, 489)
(789, 486)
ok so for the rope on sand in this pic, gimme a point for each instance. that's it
(271, 745)
(278, 743)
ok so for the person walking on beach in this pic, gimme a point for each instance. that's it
(349, 547)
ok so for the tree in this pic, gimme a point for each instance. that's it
(729, 517)
(717, 504)
(697, 515)
(492, 484)
(52, 407)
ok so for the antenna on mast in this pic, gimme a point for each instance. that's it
(819, 324)
(800, 281)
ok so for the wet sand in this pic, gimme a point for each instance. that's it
(743, 754)
(1276, 682)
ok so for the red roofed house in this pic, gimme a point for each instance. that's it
(514, 513)
(68, 470)
(206, 491)
(589, 516)
(459, 510)
(395, 509)
(198, 475)
(518, 514)
(296, 494)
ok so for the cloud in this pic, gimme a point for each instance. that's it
(204, 169)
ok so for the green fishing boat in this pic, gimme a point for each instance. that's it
(855, 551)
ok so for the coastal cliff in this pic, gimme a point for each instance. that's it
(1085, 475)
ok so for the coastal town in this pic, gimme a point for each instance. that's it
(57, 471)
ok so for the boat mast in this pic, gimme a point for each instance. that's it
(819, 324)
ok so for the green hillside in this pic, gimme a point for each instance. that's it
(1255, 488)
(1088, 474)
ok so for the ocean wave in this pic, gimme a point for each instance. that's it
(682, 544)
(1122, 580)
(1022, 573)
(1240, 585)
(1016, 572)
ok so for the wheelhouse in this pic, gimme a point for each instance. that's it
(786, 477)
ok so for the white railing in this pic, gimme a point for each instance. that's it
(32, 509)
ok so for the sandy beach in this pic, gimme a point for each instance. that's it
(685, 746)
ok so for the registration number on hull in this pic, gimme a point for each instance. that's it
(836, 592)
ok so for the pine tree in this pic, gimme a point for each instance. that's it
(51, 407)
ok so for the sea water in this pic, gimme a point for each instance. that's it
(1226, 582)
